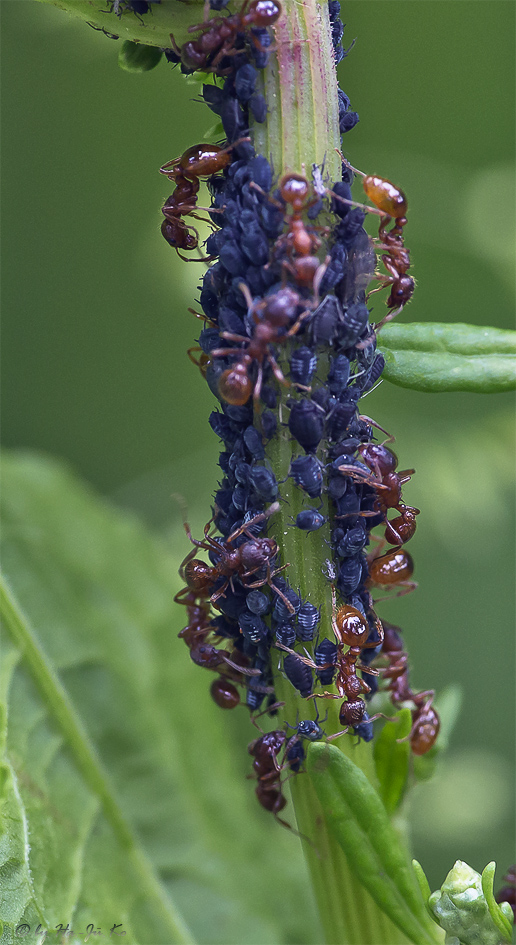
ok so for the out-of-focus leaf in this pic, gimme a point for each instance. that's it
(96, 681)
(391, 759)
(437, 357)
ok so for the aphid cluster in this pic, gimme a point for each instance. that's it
(286, 323)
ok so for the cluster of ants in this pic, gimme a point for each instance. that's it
(281, 288)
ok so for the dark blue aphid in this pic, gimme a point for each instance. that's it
(263, 483)
(325, 658)
(307, 620)
(350, 576)
(257, 602)
(365, 729)
(245, 82)
(307, 473)
(338, 375)
(310, 730)
(306, 424)
(295, 755)
(281, 611)
(353, 541)
(286, 634)
(309, 520)
(253, 627)
(303, 363)
(299, 674)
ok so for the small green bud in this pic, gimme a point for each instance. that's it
(462, 910)
(135, 57)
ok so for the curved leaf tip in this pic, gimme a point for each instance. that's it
(439, 357)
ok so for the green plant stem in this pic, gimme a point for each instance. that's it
(300, 85)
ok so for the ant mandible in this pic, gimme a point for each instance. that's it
(218, 35)
(392, 205)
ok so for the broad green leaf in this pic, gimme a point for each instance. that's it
(127, 786)
(438, 357)
(153, 29)
(392, 758)
(355, 813)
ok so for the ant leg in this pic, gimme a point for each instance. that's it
(258, 387)
(319, 277)
(243, 670)
(390, 437)
(304, 659)
(408, 587)
(387, 318)
(220, 593)
(330, 738)
(278, 373)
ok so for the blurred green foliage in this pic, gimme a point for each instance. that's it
(96, 326)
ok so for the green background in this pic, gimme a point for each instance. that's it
(96, 327)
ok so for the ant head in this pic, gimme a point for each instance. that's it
(294, 189)
(264, 12)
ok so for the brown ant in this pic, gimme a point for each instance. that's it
(392, 205)
(392, 569)
(199, 161)
(351, 630)
(242, 561)
(218, 35)
(382, 463)
(270, 318)
(425, 720)
(267, 770)
(301, 241)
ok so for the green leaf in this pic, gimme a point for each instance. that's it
(464, 911)
(358, 819)
(392, 758)
(438, 357)
(135, 57)
(152, 29)
(127, 780)
(501, 921)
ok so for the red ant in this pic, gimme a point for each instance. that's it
(392, 205)
(267, 770)
(351, 630)
(393, 569)
(201, 160)
(425, 720)
(382, 462)
(219, 34)
(270, 318)
(300, 239)
(195, 635)
(244, 561)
